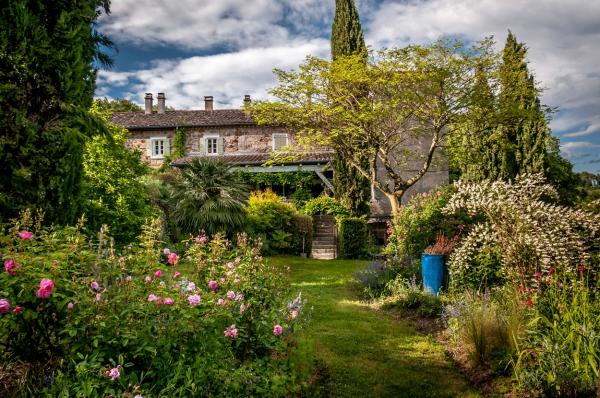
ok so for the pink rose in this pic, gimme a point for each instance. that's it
(212, 285)
(46, 288)
(157, 274)
(168, 301)
(11, 266)
(4, 306)
(231, 331)
(220, 301)
(177, 274)
(98, 297)
(18, 309)
(95, 285)
(230, 265)
(231, 295)
(152, 298)
(194, 300)
(277, 330)
(25, 235)
(173, 258)
(243, 308)
(148, 279)
(70, 306)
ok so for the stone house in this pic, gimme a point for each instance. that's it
(232, 135)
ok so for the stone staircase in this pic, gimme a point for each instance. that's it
(324, 241)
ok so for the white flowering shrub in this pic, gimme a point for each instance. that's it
(533, 238)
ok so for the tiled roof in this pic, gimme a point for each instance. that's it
(256, 159)
(219, 117)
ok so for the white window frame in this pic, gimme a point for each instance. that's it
(165, 147)
(211, 137)
(279, 135)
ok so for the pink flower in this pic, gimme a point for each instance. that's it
(168, 301)
(222, 280)
(243, 308)
(293, 314)
(98, 297)
(95, 285)
(231, 295)
(128, 278)
(237, 260)
(537, 275)
(152, 298)
(157, 274)
(231, 331)
(212, 285)
(173, 258)
(529, 302)
(230, 265)
(10, 266)
(177, 274)
(194, 300)
(166, 251)
(114, 373)
(220, 301)
(148, 279)
(202, 239)
(277, 330)
(70, 306)
(581, 269)
(25, 235)
(4, 306)
(46, 288)
(18, 309)
(191, 287)
(236, 280)
(239, 297)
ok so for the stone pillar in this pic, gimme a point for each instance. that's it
(161, 102)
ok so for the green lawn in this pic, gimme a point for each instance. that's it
(366, 352)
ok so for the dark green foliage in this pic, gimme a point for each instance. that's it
(351, 188)
(353, 237)
(346, 33)
(297, 184)
(118, 105)
(47, 51)
(208, 196)
(302, 233)
(325, 204)
(559, 172)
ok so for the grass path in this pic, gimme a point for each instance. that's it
(366, 352)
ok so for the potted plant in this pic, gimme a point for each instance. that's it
(432, 262)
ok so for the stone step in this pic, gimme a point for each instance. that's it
(327, 246)
(329, 256)
(323, 251)
(329, 241)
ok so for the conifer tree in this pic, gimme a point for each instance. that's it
(47, 55)
(351, 188)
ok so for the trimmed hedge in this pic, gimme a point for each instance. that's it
(353, 237)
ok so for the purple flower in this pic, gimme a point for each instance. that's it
(230, 265)
(231, 295)
(114, 373)
(202, 239)
(212, 285)
(191, 287)
(95, 285)
(194, 300)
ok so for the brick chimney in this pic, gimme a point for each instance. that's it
(208, 103)
(247, 100)
(148, 102)
(161, 102)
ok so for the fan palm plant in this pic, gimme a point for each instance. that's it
(208, 196)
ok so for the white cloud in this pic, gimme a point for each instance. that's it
(572, 150)
(562, 38)
(227, 77)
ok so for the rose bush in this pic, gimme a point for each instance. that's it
(214, 320)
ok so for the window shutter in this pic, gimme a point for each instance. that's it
(201, 146)
(167, 146)
(220, 145)
(204, 145)
(149, 144)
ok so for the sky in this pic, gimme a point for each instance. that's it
(228, 48)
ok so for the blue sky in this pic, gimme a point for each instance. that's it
(228, 48)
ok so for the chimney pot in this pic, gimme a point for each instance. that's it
(247, 100)
(161, 102)
(148, 103)
(208, 103)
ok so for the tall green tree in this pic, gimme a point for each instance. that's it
(347, 39)
(48, 54)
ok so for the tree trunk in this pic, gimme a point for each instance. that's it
(395, 203)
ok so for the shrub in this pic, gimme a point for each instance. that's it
(420, 220)
(302, 231)
(214, 320)
(560, 353)
(353, 238)
(407, 294)
(272, 220)
(325, 204)
(534, 239)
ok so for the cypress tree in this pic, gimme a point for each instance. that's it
(351, 188)
(47, 54)
(523, 129)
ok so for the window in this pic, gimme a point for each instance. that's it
(279, 141)
(159, 147)
(211, 146)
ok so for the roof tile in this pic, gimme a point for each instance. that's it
(219, 117)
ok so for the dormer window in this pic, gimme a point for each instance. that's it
(159, 147)
(279, 141)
